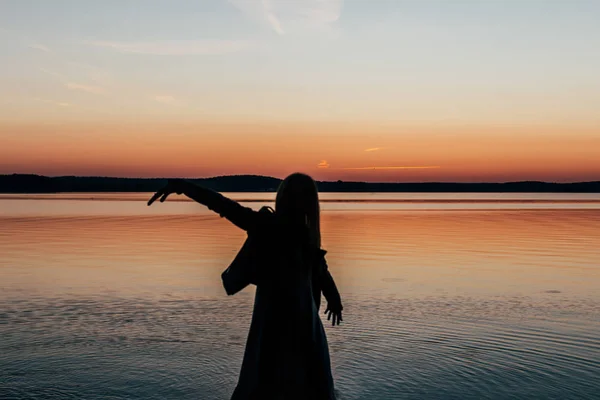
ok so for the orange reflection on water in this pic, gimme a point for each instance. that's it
(398, 253)
(471, 251)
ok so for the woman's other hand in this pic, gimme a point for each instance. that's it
(334, 314)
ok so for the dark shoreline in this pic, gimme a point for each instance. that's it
(22, 183)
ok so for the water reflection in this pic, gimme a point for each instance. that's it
(99, 301)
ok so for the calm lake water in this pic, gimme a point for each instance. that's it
(447, 296)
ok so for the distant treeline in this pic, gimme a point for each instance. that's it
(20, 183)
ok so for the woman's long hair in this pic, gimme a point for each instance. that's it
(298, 200)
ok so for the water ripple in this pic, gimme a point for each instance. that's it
(448, 304)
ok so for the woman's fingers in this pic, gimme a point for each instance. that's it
(337, 318)
(162, 194)
(156, 196)
(334, 316)
(164, 197)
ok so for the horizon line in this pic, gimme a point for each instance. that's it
(318, 181)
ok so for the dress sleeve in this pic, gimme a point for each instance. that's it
(242, 217)
(328, 286)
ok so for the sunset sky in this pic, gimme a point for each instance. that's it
(375, 90)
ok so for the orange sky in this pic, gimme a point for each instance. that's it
(473, 91)
(328, 151)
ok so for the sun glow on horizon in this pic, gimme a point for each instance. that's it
(391, 168)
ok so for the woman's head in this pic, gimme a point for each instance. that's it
(298, 200)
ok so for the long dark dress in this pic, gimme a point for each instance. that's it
(287, 355)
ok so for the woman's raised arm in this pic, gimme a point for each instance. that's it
(243, 217)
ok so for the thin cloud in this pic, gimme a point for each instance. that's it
(285, 16)
(165, 99)
(95, 74)
(54, 74)
(56, 103)
(374, 149)
(395, 167)
(85, 88)
(177, 47)
(321, 11)
(271, 17)
(323, 164)
(275, 24)
(66, 81)
(39, 47)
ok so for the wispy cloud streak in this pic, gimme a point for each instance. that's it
(66, 81)
(374, 149)
(85, 88)
(284, 16)
(54, 74)
(56, 103)
(271, 17)
(40, 47)
(177, 47)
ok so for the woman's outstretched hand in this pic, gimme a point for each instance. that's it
(334, 314)
(172, 186)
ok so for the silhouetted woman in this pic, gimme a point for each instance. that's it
(287, 355)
